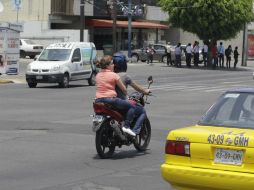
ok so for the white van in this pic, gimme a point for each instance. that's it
(63, 62)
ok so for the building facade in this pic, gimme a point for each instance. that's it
(48, 21)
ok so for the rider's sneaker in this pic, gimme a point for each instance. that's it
(129, 131)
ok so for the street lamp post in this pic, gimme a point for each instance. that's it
(82, 18)
(114, 25)
(129, 28)
(129, 11)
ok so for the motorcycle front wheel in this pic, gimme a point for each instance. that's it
(104, 141)
(143, 138)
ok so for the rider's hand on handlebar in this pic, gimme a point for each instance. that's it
(147, 92)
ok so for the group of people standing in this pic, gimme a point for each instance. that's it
(219, 53)
(192, 53)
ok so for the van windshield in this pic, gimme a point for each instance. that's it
(55, 55)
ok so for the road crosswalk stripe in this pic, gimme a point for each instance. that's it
(193, 87)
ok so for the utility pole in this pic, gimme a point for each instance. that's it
(244, 49)
(82, 19)
(113, 15)
(129, 28)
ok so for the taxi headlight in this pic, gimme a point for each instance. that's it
(55, 68)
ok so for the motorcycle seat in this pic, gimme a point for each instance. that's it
(107, 109)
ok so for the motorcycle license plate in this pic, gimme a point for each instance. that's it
(226, 156)
(97, 121)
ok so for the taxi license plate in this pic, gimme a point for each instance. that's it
(39, 77)
(227, 156)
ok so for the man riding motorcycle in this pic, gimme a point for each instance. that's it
(120, 67)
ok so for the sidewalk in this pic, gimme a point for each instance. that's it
(5, 79)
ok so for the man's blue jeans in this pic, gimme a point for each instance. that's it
(122, 105)
(141, 113)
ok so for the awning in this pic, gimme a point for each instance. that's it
(124, 24)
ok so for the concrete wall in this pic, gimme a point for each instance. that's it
(88, 8)
(39, 32)
(156, 14)
(33, 10)
(34, 16)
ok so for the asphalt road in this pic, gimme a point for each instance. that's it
(46, 141)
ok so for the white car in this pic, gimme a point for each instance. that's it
(29, 48)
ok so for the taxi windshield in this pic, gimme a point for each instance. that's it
(55, 55)
(231, 110)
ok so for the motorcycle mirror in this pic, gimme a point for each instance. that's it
(150, 79)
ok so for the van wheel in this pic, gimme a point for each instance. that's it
(65, 81)
(32, 84)
(91, 80)
(134, 58)
(164, 59)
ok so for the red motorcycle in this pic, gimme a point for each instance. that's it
(107, 124)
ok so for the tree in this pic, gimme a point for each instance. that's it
(209, 19)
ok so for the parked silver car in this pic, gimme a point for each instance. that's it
(160, 54)
(140, 54)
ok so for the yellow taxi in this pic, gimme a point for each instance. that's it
(218, 152)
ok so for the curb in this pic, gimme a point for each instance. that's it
(5, 81)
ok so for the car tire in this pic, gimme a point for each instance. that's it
(143, 60)
(164, 59)
(32, 56)
(134, 58)
(91, 80)
(65, 81)
(32, 84)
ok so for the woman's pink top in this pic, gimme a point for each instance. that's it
(106, 83)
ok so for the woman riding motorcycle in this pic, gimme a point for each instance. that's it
(120, 67)
(106, 83)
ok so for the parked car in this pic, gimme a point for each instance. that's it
(160, 54)
(29, 48)
(217, 153)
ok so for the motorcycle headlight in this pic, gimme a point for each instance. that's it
(55, 68)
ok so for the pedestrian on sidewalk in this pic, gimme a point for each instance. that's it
(178, 53)
(196, 53)
(236, 54)
(150, 51)
(214, 51)
(168, 49)
(205, 53)
(228, 53)
(188, 55)
(221, 51)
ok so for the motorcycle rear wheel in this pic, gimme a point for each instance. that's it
(103, 140)
(143, 138)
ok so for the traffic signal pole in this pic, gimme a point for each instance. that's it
(82, 19)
